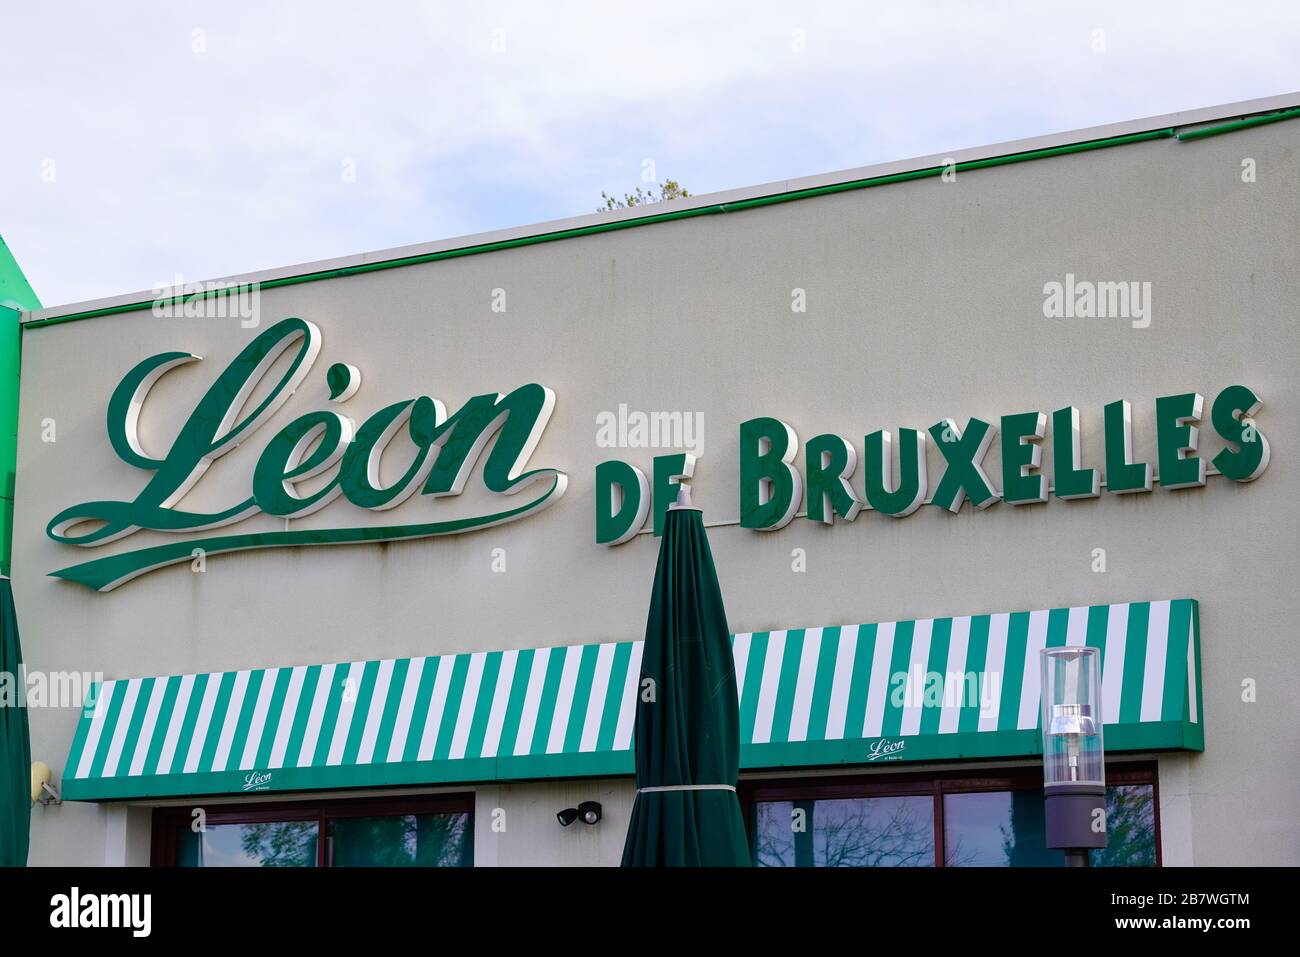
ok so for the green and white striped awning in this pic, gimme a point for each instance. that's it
(941, 688)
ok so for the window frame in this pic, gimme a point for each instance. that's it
(936, 784)
(166, 820)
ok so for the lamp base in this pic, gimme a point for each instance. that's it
(1076, 816)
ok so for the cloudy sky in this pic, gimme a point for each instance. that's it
(146, 141)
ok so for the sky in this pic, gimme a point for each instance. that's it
(149, 141)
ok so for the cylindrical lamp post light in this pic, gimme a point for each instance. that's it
(1074, 759)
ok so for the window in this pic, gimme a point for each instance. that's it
(984, 818)
(845, 832)
(435, 831)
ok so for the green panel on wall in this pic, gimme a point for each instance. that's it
(16, 296)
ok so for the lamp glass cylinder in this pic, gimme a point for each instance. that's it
(1073, 752)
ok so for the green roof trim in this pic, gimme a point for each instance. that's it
(1244, 124)
(651, 219)
(707, 210)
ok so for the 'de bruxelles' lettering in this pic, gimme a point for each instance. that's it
(772, 487)
(446, 450)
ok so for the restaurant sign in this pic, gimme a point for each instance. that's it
(773, 489)
(447, 449)
(322, 455)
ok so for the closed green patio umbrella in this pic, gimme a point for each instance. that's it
(687, 733)
(15, 746)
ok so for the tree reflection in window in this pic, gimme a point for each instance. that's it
(1008, 829)
(993, 828)
(280, 843)
(1131, 823)
(269, 844)
(403, 840)
(389, 840)
(852, 832)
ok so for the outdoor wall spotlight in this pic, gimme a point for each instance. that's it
(567, 816)
(589, 812)
(1074, 759)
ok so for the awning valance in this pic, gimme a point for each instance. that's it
(931, 689)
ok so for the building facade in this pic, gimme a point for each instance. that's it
(354, 557)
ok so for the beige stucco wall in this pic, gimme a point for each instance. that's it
(924, 301)
(515, 825)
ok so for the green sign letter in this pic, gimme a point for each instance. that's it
(1022, 453)
(831, 462)
(1232, 418)
(769, 484)
(1175, 437)
(668, 469)
(909, 495)
(1123, 475)
(622, 502)
(1070, 480)
(964, 451)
